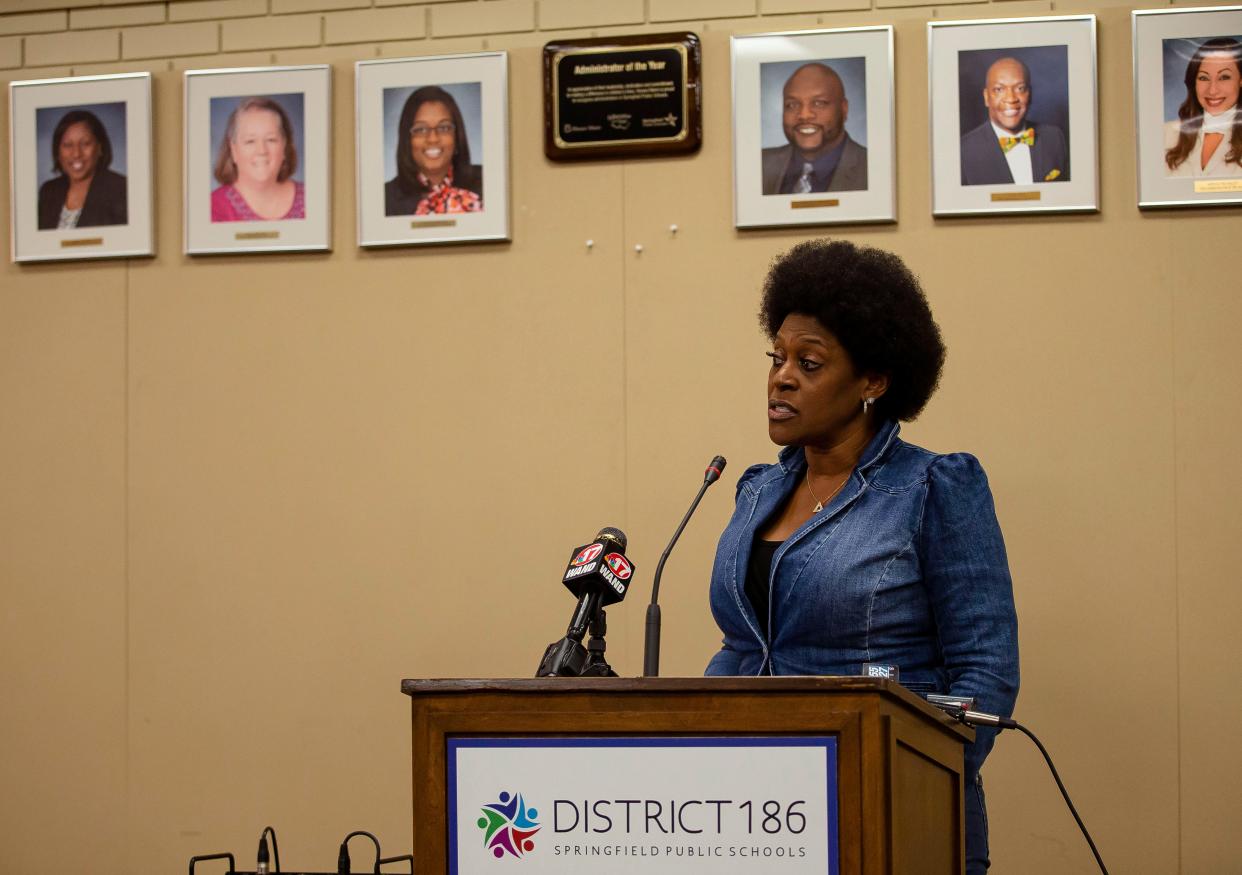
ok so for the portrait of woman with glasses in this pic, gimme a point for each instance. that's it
(434, 172)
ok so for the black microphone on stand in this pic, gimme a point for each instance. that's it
(599, 574)
(651, 648)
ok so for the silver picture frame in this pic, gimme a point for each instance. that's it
(107, 121)
(1172, 172)
(850, 72)
(399, 205)
(1050, 64)
(295, 103)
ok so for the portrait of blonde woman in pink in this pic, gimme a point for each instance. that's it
(254, 165)
(1206, 139)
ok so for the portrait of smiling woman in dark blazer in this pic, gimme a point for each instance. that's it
(84, 193)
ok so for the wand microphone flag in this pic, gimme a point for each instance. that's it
(599, 574)
(600, 567)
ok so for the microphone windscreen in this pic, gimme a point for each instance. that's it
(615, 535)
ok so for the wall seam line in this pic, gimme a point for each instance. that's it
(125, 559)
(1177, 577)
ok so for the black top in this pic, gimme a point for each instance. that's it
(105, 202)
(758, 578)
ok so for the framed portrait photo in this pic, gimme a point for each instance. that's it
(1013, 116)
(813, 128)
(433, 149)
(257, 158)
(80, 168)
(1189, 129)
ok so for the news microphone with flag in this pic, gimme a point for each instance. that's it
(651, 646)
(599, 574)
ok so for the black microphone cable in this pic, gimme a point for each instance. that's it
(343, 863)
(979, 718)
(408, 857)
(263, 857)
(194, 861)
(342, 860)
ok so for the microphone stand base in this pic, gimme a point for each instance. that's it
(564, 658)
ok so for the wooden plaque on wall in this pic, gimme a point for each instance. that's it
(622, 97)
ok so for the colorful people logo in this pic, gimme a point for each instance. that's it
(508, 826)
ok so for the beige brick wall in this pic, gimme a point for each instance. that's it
(589, 13)
(10, 52)
(278, 32)
(170, 40)
(117, 16)
(687, 10)
(284, 7)
(375, 25)
(206, 10)
(483, 16)
(779, 7)
(7, 6)
(70, 47)
(40, 22)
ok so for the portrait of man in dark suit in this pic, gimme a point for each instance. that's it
(819, 154)
(1010, 146)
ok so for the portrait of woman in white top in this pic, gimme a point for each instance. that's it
(1206, 139)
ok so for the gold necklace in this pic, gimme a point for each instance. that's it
(819, 505)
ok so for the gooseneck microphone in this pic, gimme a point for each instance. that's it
(599, 574)
(651, 647)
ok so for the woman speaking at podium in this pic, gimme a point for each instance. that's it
(856, 548)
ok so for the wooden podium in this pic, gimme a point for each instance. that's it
(899, 760)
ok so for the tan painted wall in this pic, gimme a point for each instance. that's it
(241, 498)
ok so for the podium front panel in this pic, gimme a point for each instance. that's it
(627, 805)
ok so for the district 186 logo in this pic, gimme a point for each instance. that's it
(587, 554)
(508, 826)
(619, 565)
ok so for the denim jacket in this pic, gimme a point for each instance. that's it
(905, 567)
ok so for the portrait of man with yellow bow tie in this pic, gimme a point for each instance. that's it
(1010, 147)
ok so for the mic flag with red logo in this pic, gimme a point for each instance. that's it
(600, 567)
